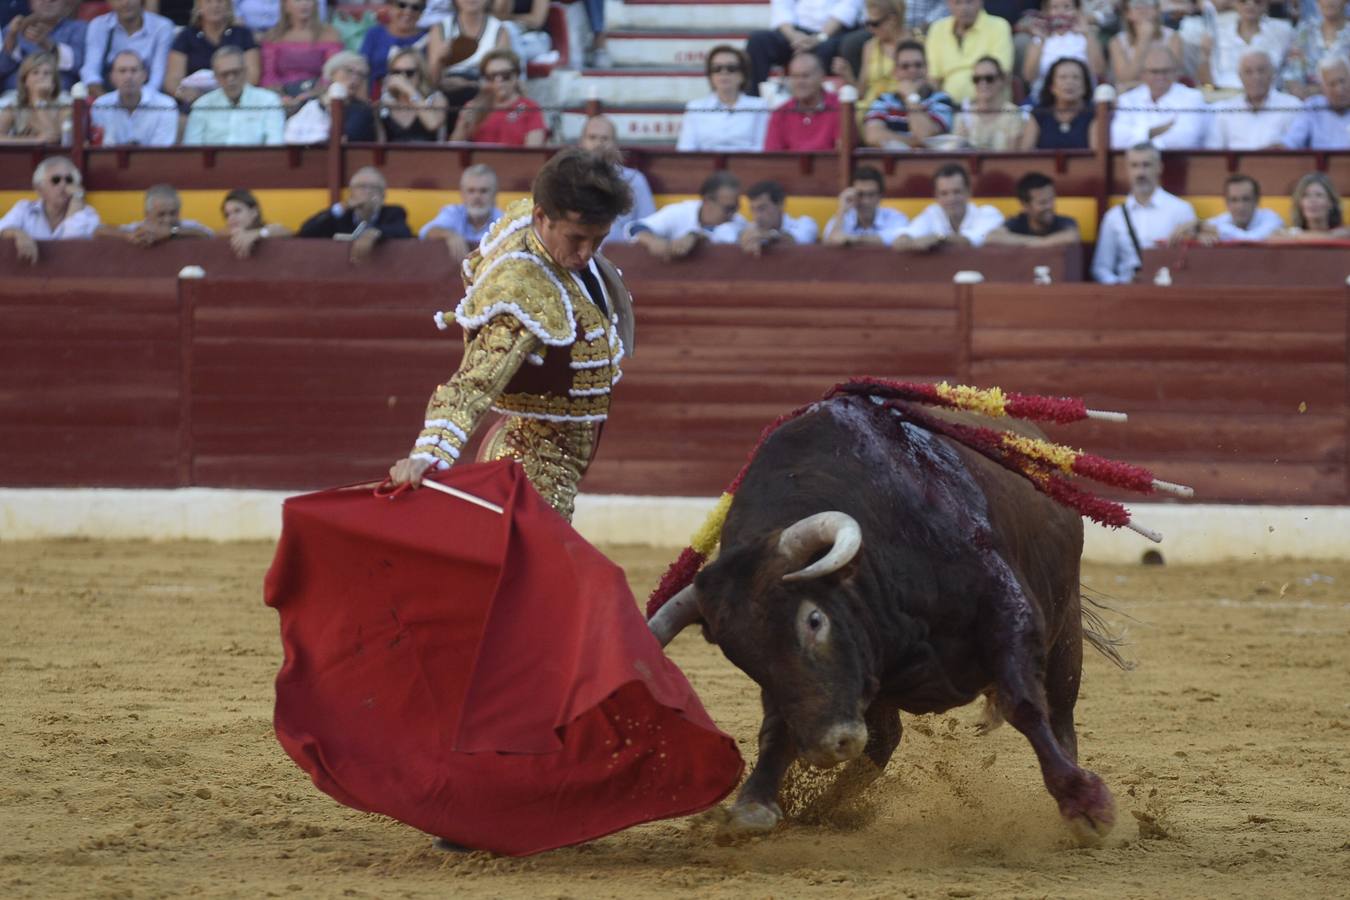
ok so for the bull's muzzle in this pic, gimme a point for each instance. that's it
(840, 743)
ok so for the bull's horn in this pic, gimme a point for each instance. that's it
(838, 531)
(675, 615)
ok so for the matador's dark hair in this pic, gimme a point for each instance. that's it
(575, 181)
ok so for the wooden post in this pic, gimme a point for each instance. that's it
(848, 133)
(79, 131)
(964, 289)
(336, 167)
(189, 285)
(1102, 124)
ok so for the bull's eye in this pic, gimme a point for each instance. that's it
(815, 620)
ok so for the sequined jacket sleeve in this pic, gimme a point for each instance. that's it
(494, 354)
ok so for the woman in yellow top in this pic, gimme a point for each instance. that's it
(885, 20)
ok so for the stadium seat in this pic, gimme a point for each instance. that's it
(557, 29)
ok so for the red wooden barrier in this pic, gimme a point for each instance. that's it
(296, 369)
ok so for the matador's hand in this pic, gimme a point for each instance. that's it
(409, 472)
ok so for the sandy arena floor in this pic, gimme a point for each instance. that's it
(137, 757)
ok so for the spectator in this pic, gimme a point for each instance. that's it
(462, 225)
(348, 73)
(1148, 216)
(956, 42)
(861, 218)
(294, 51)
(728, 118)
(1063, 31)
(411, 109)
(1245, 220)
(987, 121)
(500, 113)
(236, 113)
(50, 28)
(921, 14)
(883, 27)
(889, 122)
(58, 214)
(1036, 225)
(133, 114)
(673, 231)
(261, 16)
(799, 26)
(163, 221)
(1258, 117)
(364, 221)
(1063, 120)
(399, 33)
(1324, 121)
(38, 110)
(1143, 28)
(525, 21)
(1160, 111)
(1247, 28)
(188, 72)
(1315, 210)
(810, 120)
(244, 222)
(457, 49)
(599, 137)
(769, 224)
(1313, 41)
(953, 219)
(127, 27)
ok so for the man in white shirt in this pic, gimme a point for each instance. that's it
(1162, 112)
(599, 136)
(769, 224)
(672, 232)
(1219, 51)
(800, 26)
(1324, 122)
(1149, 215)
(236, 113)
(133, 114)
(1245, 220)
(58, 214)
(127, 27)
(861, 218)
(953, 219)
(1259, 116)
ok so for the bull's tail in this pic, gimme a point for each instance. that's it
(1097, 633)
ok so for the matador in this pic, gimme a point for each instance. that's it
(546, 322)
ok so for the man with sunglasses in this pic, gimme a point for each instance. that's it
(672, 232)
(916, 110)
(58, 214)
(546, 321)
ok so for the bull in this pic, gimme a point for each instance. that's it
(868, 567)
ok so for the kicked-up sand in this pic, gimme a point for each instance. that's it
(137, 757)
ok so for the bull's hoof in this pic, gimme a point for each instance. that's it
(749, 819)
(1087, 807)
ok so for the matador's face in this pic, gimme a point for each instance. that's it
(569, 241)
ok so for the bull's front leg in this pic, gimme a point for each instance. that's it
(1014, 653)
(756, 809)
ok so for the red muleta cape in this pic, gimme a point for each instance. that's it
(485, 678)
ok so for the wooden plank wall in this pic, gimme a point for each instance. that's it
(1237, 391)
(298, 370)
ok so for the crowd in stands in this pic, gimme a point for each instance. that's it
(991, 75)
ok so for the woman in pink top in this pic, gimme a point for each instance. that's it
(293, 53)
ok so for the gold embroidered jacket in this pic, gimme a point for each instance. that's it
(536, 346)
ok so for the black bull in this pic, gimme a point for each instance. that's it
(946, 577)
